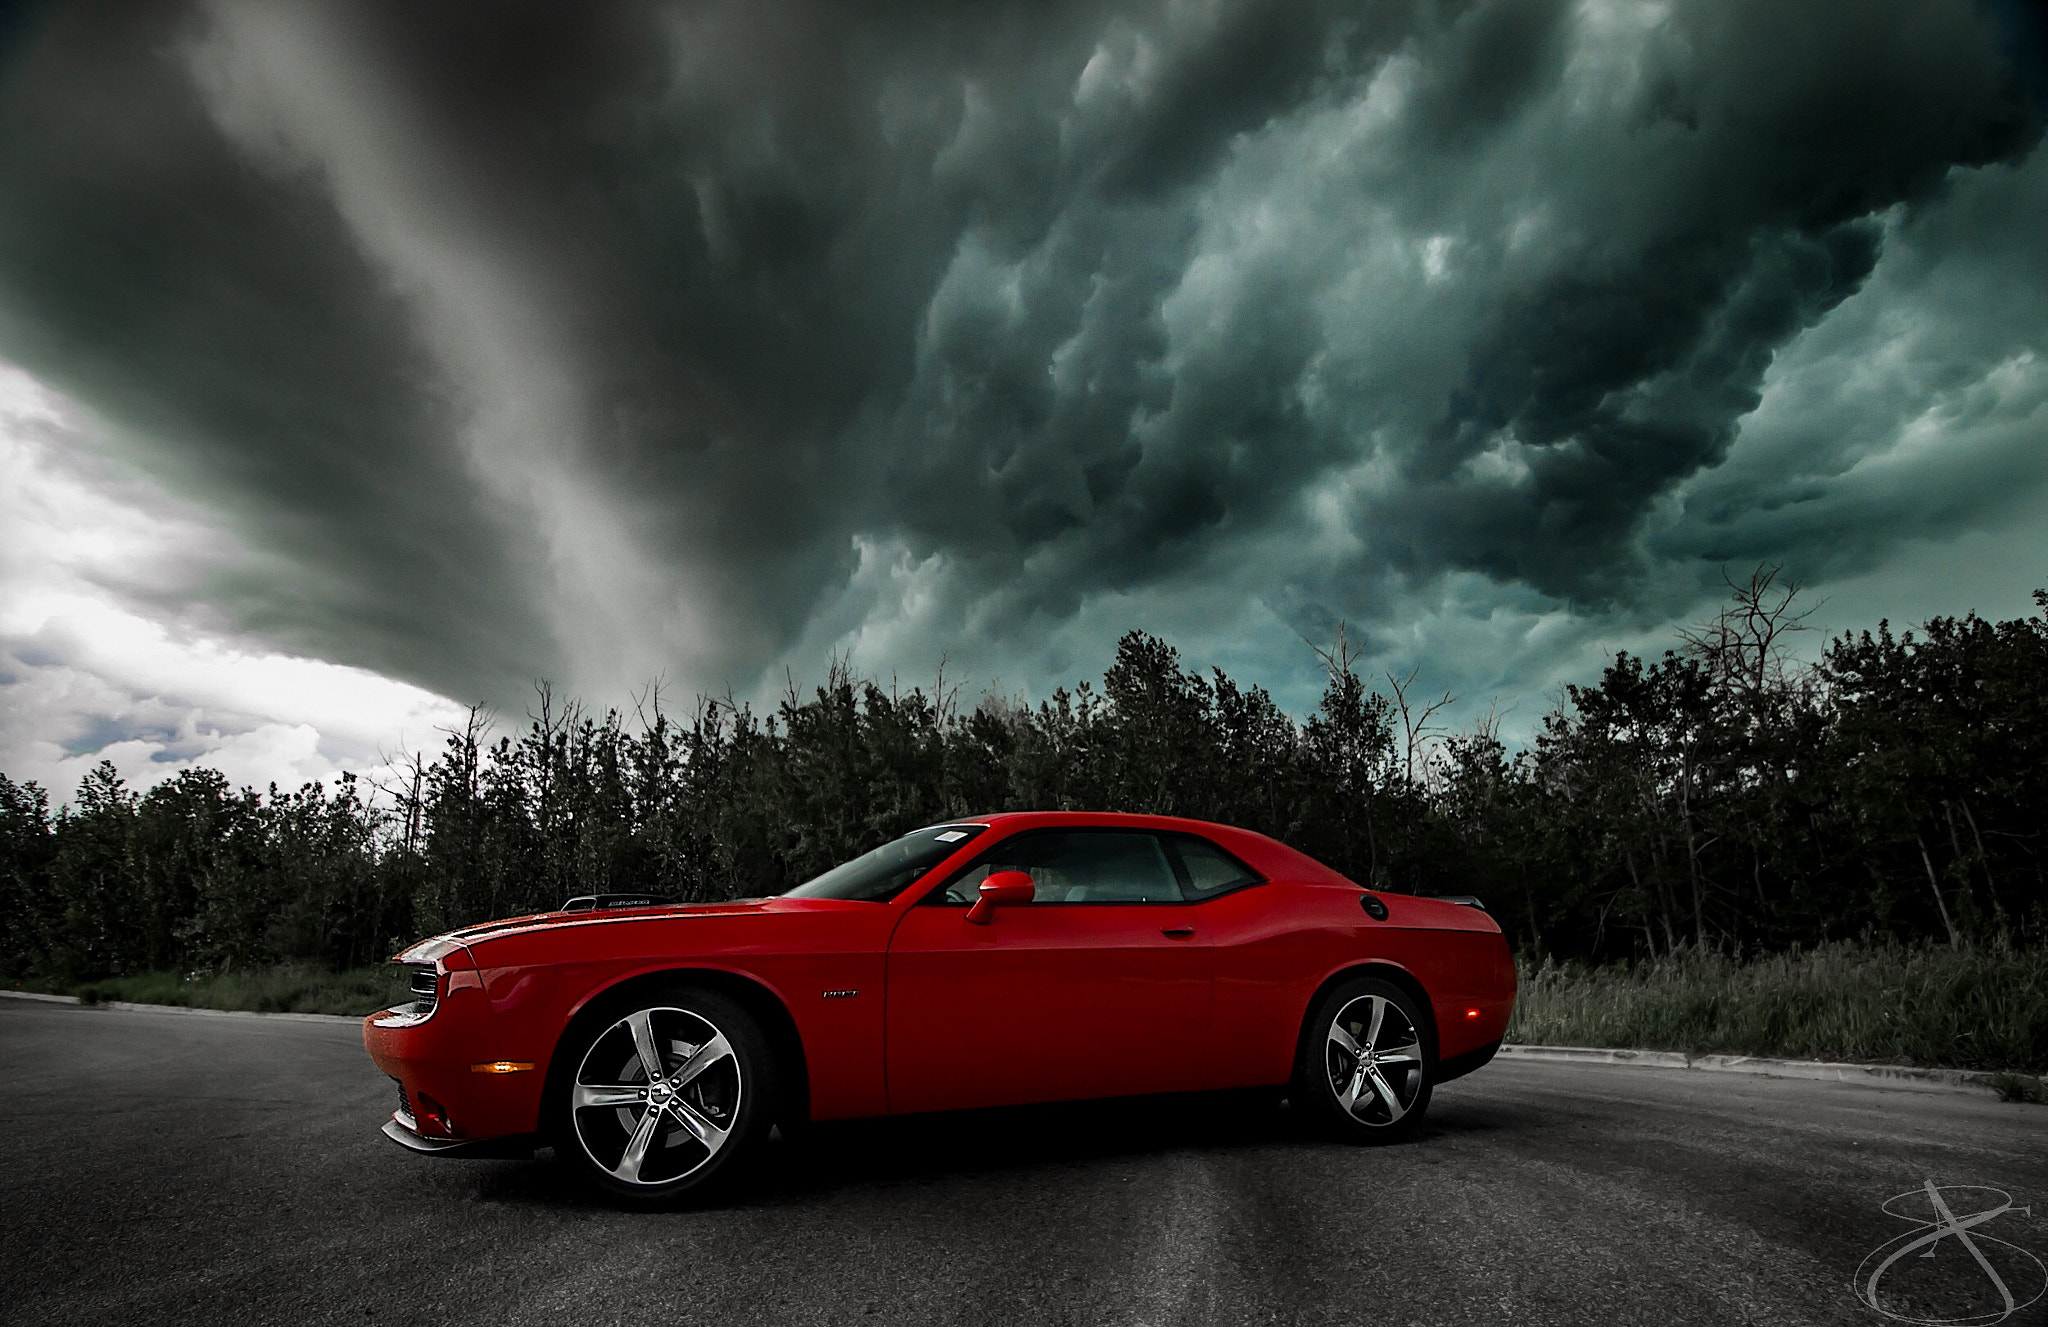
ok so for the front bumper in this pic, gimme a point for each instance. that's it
(433, 1057)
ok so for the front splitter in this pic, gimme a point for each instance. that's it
(514, 1147)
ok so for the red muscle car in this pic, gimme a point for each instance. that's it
(996, 960)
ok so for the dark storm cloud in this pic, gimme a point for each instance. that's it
(1737, 197)
(1727, 200)
(550, 339)
(1970, 272)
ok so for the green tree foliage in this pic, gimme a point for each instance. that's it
(1716, 798)
(1719, 797)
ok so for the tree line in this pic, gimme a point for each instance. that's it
(1719, 796)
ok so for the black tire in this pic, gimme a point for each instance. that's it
(711, 1105)
(1387, 1101)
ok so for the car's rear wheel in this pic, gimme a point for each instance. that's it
(670, 1094)
(1367, 1061)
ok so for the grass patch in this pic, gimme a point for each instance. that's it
(2019, 1087)
(1881, 1004)
(285, 989)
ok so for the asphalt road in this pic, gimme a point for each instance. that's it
(171, 1168)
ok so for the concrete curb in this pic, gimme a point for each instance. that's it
(182, 1009)
(1870, 1075)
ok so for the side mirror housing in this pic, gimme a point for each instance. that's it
(1004, 889)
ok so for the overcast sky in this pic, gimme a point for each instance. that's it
(360, 361)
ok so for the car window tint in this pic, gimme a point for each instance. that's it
(1210, 870)
(880, 875)
(1076, 866)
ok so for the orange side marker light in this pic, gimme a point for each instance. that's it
(502, 1067)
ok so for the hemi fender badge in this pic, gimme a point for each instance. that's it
(839, 995)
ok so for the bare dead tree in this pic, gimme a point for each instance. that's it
(1340, 657)
(945, 702)
(403, 784)
(1418, 733)
(648, 701)
(1745, 646)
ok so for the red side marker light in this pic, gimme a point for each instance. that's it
(1471, 1013)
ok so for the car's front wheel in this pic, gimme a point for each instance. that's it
(1368, 1061)
(671, 1095)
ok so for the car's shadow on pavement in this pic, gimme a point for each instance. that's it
(826, 1158)
(918, 1147)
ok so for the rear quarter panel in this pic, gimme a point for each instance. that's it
(1277, 944)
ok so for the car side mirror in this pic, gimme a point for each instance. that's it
(1004, 889)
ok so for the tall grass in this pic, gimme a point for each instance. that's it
(1885, 1003)
(284, 989)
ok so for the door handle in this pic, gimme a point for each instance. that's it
(1177, 932)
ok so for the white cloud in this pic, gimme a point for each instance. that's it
(100, 657)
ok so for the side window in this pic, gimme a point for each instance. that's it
(1075, 866)
(1210, 870)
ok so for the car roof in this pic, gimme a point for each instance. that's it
(1133, 818)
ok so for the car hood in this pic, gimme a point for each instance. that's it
(507, 927)
(552, 921)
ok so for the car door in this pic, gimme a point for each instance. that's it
(1099, 987)
(1269, 946)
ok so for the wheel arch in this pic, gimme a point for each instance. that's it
(1385, 970)
(748, 992)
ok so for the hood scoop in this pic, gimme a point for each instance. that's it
(603, 902)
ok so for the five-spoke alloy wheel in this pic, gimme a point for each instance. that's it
(669, 1092)
(1367, 1061)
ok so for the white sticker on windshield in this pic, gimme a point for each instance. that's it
(951, 836)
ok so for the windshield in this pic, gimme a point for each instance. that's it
(884, 873)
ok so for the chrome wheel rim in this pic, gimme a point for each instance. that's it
(656, 1096)
(1373, 1060)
